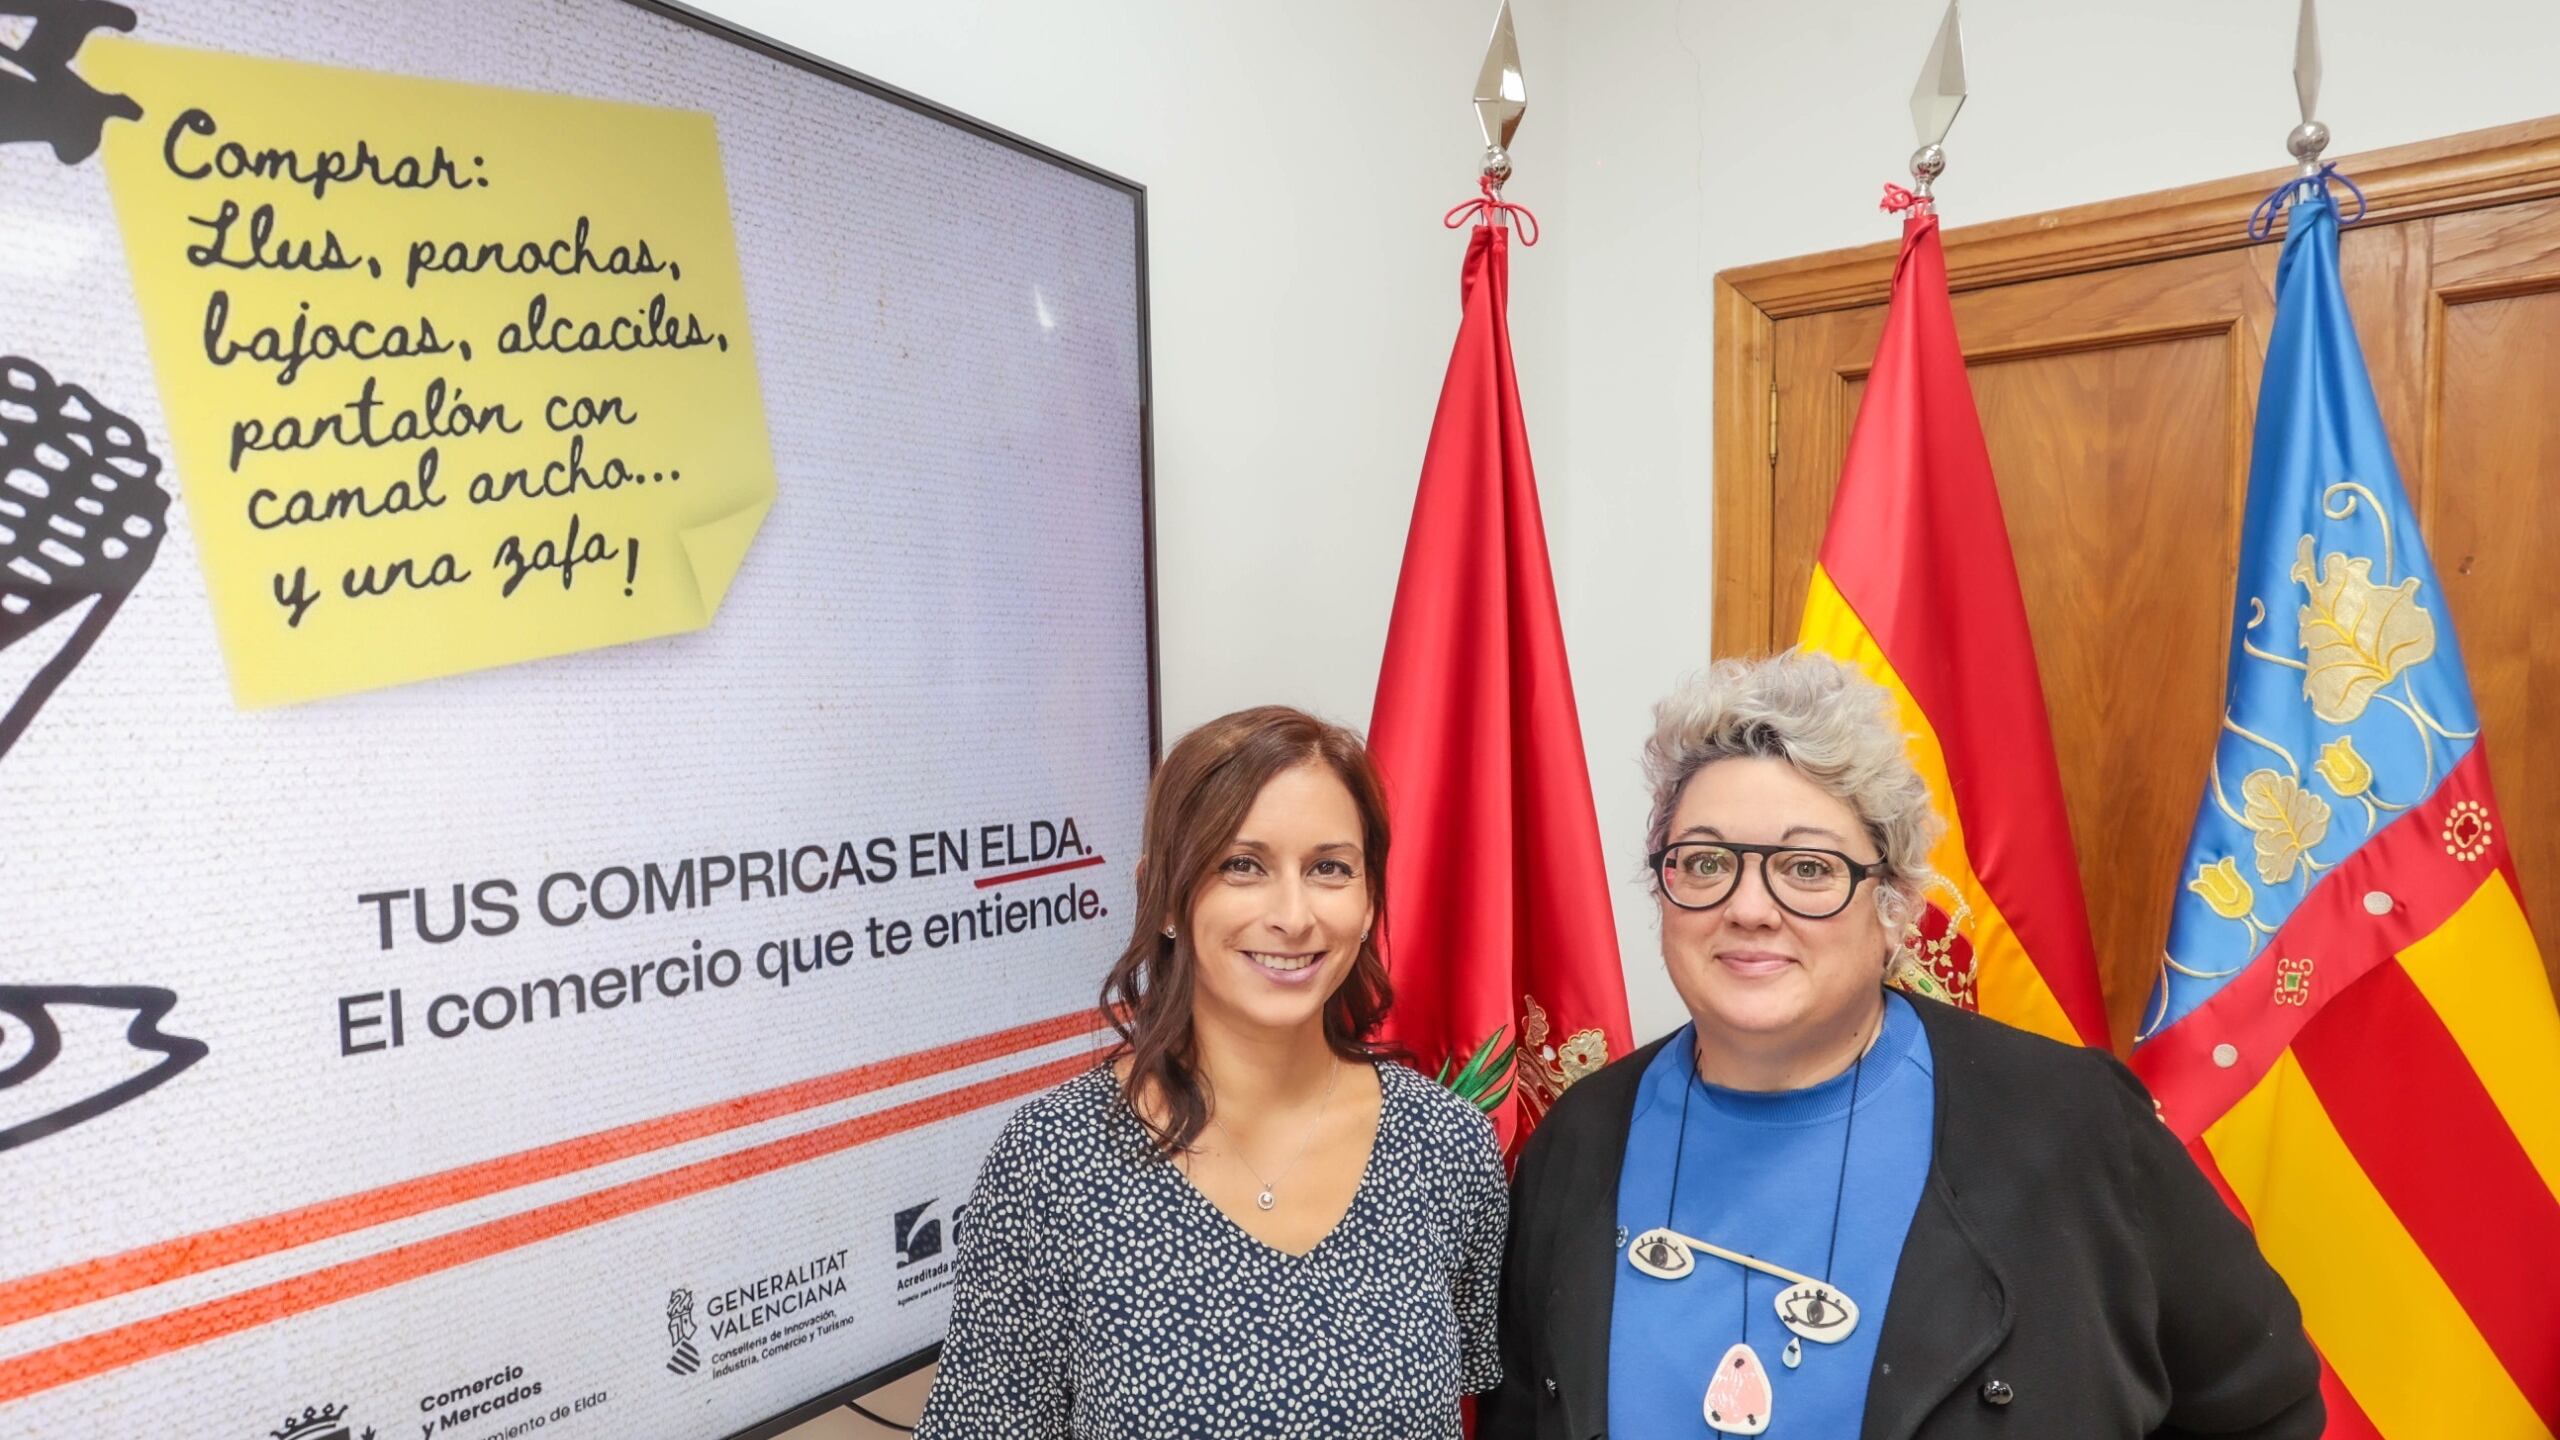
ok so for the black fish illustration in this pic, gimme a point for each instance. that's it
(31, 1042)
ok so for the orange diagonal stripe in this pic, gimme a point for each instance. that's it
(146, 1339)
(136, 1269)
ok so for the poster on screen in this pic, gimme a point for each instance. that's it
(574, 705)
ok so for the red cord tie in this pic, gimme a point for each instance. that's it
(1488, 208)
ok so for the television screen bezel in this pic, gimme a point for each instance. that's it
(721, 28)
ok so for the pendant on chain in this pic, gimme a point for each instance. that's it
(1660, 1254)
(1819, 1313)
(1738, 1399)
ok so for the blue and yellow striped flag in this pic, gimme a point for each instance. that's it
(2352, 1029)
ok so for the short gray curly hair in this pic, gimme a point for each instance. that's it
(1834, 725)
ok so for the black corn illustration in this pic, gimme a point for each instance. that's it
(81, 516)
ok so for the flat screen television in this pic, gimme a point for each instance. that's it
(576, 689)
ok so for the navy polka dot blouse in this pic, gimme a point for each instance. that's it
(1102, 1297)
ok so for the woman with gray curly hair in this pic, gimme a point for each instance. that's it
(1822, 1209)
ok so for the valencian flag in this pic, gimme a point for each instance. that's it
(1915, 587)
(1497, 888)
(2353, 1033)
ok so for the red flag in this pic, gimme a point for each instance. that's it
(1916, 588)
(1498, 890)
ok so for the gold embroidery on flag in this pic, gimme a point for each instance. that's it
(2225, 893)
(2219, 885)
(1547, 1070)
(2293, 981)
(1911, 975)
(1935, 959)
(2466, 831)
(2351, 776)
(2357, 636)
(2288, 820)
(2344, 769)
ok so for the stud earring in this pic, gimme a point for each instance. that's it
(1168, 932)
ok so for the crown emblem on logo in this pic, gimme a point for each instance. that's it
(316, 1422)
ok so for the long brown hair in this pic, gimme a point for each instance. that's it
(1196, 805)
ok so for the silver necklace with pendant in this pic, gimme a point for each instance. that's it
(1739, 1396)
(1269, 1194)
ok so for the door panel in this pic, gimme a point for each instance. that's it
(2112, 467)
(2496, 545)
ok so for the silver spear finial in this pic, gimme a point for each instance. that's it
(2310, 137)
(1502, 97)
(1936, 99)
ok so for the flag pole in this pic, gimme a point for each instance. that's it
(1502, 97)
(2305, 141)
(1935, 99)
(2310, 137)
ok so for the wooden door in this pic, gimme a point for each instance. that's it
(2117, 399)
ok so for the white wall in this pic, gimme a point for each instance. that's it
(1710, 134)
(1297, 156)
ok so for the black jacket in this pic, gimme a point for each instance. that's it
(2067, 1261)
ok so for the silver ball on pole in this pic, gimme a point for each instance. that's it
(1927, 164)
(1497, 165)
(2306, 142)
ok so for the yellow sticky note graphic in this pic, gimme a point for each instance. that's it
(456, 376)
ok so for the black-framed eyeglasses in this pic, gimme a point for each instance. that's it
(1806, 881)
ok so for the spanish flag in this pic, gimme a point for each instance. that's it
(2352, 1030)
(1915, 586)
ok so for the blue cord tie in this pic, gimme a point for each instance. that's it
(2262, 221)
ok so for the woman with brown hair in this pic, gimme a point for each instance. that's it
(1249, 1221)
